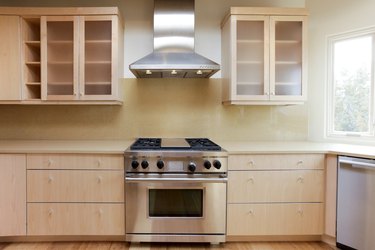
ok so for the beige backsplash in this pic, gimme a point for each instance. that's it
(158, 108)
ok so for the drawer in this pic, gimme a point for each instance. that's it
(75, 161)
(75, 219)
(75, 186)
(276, 161)
(275, 186)
(275, 219)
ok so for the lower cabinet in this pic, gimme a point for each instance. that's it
(275, 219)
(12, 195)
(75, 219)
(276, 195)
(75, 194)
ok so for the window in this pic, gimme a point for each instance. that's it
(351, 85)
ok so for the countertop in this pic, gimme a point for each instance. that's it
(233, 147)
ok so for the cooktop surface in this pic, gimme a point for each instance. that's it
(197, 144)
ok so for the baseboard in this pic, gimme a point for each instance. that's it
(274, 238)
(60, 238)
(329, 240)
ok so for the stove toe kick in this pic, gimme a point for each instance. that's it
(197, 238)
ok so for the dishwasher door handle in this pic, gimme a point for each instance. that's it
(367, 164)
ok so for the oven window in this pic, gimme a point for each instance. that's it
(175, 202)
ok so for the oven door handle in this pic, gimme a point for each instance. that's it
(171, 179)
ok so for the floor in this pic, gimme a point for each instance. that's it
(155, 246)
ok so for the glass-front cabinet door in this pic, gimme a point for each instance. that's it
(251, 57)
(59, 57)
(97, 52)
(287, 58)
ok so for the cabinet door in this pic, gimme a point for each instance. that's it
(276, 186)
(59, 57)
(12, 195)
(98, 57)
(10, 67)
(275, 219)
(250, 39)
(288, 57)
(75, 219)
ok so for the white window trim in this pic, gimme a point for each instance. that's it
(329, 104)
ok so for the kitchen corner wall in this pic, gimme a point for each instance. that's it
(160, 107)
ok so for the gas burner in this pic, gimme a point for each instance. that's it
(188, 144)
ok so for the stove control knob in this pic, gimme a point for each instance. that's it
(135, 164)
(144, 164)
(160, 164)
(207, 164)
(217, 164)
(192, 167)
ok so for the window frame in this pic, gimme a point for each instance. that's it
(330, 133)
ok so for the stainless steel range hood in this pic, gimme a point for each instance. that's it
(173, 54)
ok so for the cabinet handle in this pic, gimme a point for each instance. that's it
(50, 212)
(251, 179)
(300, 211)
(98, 163)
(50, 179)
(265, 93)
(300, 179)
(300, 162)
(251, 163)
(272, 93)
(100, 179)
(251, 212)
(50, 162)
(100, 212)
(80, 93)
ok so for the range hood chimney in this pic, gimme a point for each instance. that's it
(173, 55)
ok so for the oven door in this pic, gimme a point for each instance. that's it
(175, 204)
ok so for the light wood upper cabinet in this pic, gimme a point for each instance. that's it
(12, 195)
(10, 54)
(72, 56)
(264, 56)
(79, 58)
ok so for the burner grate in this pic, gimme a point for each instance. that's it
(195, 144)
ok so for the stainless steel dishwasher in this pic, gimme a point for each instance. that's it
(356, 203)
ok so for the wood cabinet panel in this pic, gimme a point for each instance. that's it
(75, 186)
(75, 219)
(12, 195)
(275, 219)
(276, 186)
(10, 64)
(276, 161)
(75, 161)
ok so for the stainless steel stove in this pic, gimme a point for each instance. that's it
(175, 190)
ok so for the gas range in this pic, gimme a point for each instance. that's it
(189, 155)
(175, 190)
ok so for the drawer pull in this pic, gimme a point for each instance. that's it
(251, 179)
(100, 179)
(300, 179)
(251, 212)
(50, 179)
(300, 162)
(100, 212)
(50, 162)
(251, 163)
(300, 212)
(98, 163)
(50, 212)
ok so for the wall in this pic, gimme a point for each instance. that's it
(329, 18)
(171, 108)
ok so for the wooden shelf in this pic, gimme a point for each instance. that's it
(60, 83)
(287, 83)
(32, 63)
(62, 42)
(33, 83)
(278, 42)
(250, 41)
(98, 83)
(250, 83)
(288, 63)
(249, 62)
(33, 43)
(60, 63)
(98, 42)
(97, 62)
